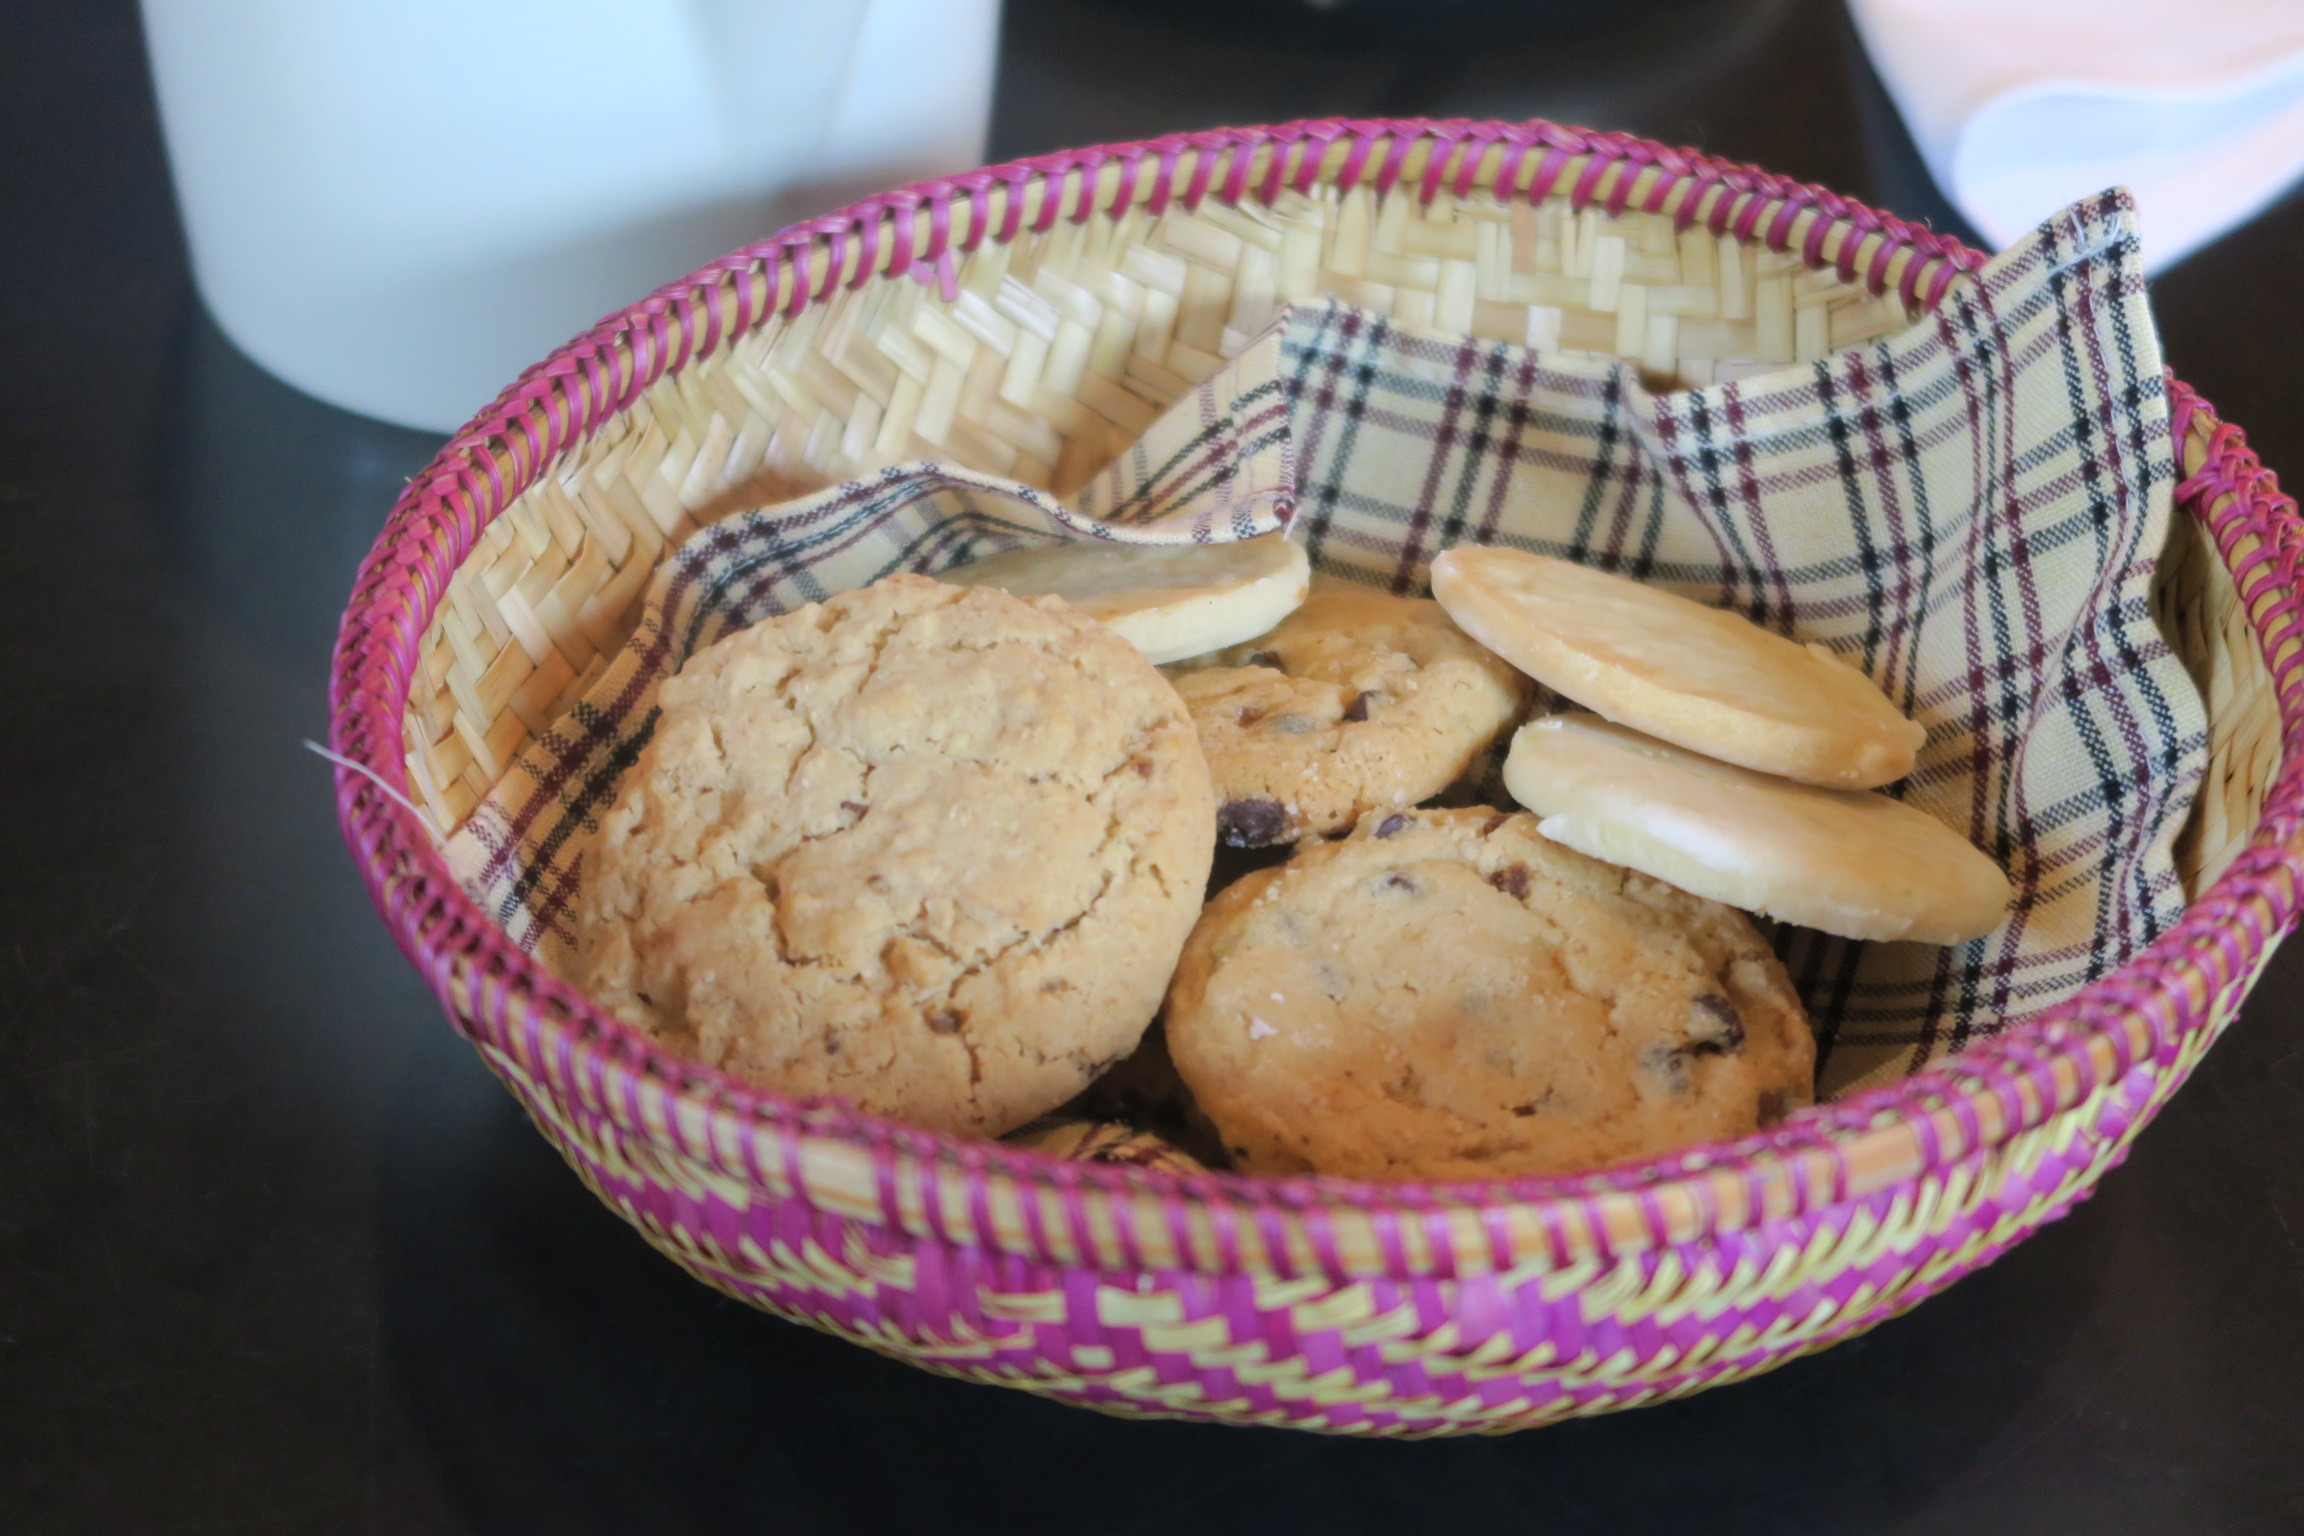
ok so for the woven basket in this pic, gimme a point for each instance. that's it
(513, 566)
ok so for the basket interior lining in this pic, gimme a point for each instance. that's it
(1047, 356)
(2198, 606)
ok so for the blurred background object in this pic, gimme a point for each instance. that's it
(396, 205)
(2022, 106)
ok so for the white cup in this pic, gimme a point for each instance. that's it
(397, 205)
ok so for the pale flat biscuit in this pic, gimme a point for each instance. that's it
(1850, 862)
(930, 848)
(1448, 995)
(1358, 700)
(1170, 601)
(1702, 678)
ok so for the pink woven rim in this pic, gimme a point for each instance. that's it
(1992, 1091)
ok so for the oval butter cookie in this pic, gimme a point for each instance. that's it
(1358, 700)
(1170, 601)
(1702, 678)
(1851, 862)
(930, 848)
(1448, 995)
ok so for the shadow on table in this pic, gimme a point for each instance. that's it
(571, 1380)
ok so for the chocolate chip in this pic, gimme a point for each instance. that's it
(855, 809)
(1255, 823)
(1397, 881)
(1775, 1104)
(1249, 717)
(1392, 825)
(1143, 767)
(831, 1042)
(1512, 880)
(1523, 1110)
(1719, 1032)
(1671, 1065)
(946, 1021)
(1358, 708)
(1264, 659)
(1494, 822)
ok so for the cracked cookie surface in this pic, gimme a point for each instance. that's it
(931, 849)
(1358, 700)
(1448, 995)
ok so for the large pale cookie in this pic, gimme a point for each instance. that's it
(1448, 995)
(1170, 601)
(931, 848)
(1359, 700)
(1851, 862)
(1702, 678)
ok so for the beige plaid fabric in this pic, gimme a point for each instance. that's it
(1970, 510)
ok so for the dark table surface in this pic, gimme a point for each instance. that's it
(277, 1255)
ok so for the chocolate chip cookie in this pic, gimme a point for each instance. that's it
(1358, 700)
(931, 848)
(1448, 995)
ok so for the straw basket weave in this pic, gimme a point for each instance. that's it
(1031, 320)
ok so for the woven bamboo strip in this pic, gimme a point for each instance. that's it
(845, 1278)
(2200, 611)
(1042, 359)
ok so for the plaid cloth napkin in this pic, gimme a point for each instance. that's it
(1971, 510)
